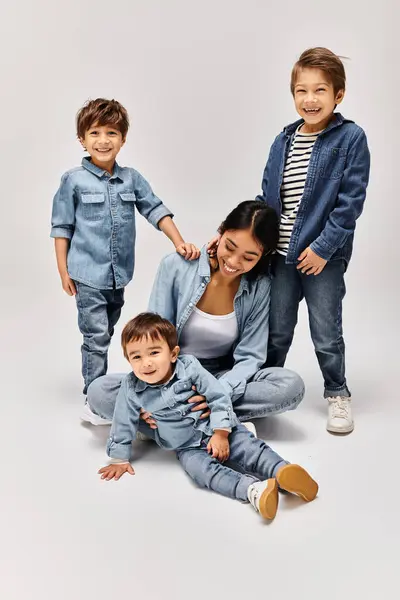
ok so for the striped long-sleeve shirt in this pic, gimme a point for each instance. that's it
(294, 178)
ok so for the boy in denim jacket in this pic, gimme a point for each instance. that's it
(93, 223)
(161, 383)
(316, 179)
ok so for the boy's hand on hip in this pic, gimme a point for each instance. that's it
(310, 263)
(218, 446)
(188, 251)
(68, 285)
(116, 471)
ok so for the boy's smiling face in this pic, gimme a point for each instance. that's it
(103, 142)
(151, 359)
(315, 99)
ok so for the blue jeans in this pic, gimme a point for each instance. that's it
(98, 313)
(323, 294)
(270, 392)
(252, 457)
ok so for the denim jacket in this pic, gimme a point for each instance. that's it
(334, 190)
(96, 211)
(180, 284)
(177, 426)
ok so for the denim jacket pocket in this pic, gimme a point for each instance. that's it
(333, 161)
(93, 206)
(127, 205)
(183, 389)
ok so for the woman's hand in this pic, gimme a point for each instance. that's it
(218, 446)
(200, 403)
(213, 245)
(148, 418)
(116, 471)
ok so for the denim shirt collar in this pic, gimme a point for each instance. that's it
(89, 166)
(205, 271)
(140, 386)
(337, 120)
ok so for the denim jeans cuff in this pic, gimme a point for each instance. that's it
(342, 391)
(243, 486)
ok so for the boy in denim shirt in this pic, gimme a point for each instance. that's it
(93, 223)
(316, 179)
(161, 383)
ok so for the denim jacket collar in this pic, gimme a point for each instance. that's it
(337, 120)
(140, 386)
(89, 166)
(205, 271)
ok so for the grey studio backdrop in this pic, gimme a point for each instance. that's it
(206, 85)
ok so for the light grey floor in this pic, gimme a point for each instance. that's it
(207, 88)
(65, 534)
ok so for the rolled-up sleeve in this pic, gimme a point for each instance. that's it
(125, 423)
(63, 214)
(147, 203)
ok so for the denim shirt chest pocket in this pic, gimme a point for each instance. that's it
(127, 205)
(93, 205)
(182, 390)
(332, 163)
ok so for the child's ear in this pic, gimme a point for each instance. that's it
(82, 141)
(174, 354)
(339, 96)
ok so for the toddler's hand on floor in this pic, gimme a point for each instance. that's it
(218, 446)
(310, 263)
(68, 285)
(188, 251)
(116, 471)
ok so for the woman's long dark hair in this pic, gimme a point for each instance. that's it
(263, 223)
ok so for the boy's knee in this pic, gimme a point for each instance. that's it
(95, 390)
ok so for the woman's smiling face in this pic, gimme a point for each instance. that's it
(238, 252)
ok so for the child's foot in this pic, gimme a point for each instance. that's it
(340, 418)
(89, 416)
(263, 495)
(250, 427)
(296, 480)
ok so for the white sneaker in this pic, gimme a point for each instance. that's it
(89, 416)
(250, 427)
(263, 495)
(340, 418)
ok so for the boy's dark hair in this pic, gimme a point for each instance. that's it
(102, 112)
(326, 61)
(149, 325)
(262, 221)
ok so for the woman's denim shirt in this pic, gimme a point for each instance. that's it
(179, 285)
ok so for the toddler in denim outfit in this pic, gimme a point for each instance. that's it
(161, 384)
(316, 179)
(93, 223)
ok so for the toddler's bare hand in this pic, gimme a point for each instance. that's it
(218, 446)
(116, 471)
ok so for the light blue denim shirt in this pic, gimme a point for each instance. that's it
(177, 426)
(96, 212)
(178, 287)
(334, 191)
